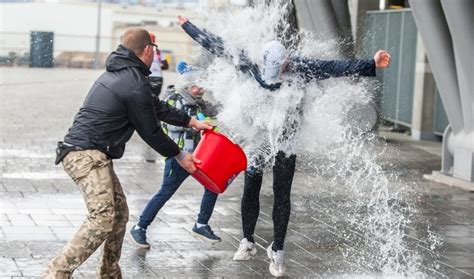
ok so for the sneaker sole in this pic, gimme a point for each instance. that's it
(242, 259)
(272, 269)
(201, 237)
(252, 253)
(274, 272)
(144, 246)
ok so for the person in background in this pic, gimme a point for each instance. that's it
(156, 81)
(157, 66)
(187, 98)
(118, 104)
(277, 67)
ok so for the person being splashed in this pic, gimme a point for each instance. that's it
(276, 64)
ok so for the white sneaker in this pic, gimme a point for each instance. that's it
(246, 250)
(277, 261)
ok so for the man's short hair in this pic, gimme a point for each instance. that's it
(136, 39)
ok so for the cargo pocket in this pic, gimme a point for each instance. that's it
(78, 164)
(100, 159)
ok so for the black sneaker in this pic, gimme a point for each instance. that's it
(138, 236)
(205, 233)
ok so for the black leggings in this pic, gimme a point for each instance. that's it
(283, 172)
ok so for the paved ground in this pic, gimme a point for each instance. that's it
(40, 207)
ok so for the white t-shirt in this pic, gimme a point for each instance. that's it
(156, 65)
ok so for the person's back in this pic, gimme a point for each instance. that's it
(157, 66)
(103, 122)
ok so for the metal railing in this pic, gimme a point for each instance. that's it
(69, 50)
(396, 31)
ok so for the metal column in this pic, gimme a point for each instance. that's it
(329, 19)
(446, 29)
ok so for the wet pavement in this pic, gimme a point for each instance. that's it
(41, 208)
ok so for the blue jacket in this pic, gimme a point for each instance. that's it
(308, 69)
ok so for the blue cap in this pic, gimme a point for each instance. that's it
(183, 67)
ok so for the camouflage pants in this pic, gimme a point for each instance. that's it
(106, 222)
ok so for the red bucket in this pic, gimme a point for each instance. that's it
(221, 161)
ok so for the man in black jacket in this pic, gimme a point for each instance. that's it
(119, 103)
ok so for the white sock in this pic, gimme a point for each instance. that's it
(198, 225)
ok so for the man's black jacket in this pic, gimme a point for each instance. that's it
(119, 103)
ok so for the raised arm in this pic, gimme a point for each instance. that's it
(209, 41)
(215, 45)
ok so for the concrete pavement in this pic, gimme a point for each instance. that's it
(41, 208)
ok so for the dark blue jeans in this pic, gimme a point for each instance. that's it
(173, 177)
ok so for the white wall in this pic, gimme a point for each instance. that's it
(74, 26)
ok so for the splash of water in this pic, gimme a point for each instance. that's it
(377, 217)
(256, 118)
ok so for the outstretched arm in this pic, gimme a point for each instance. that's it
(321, 69)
